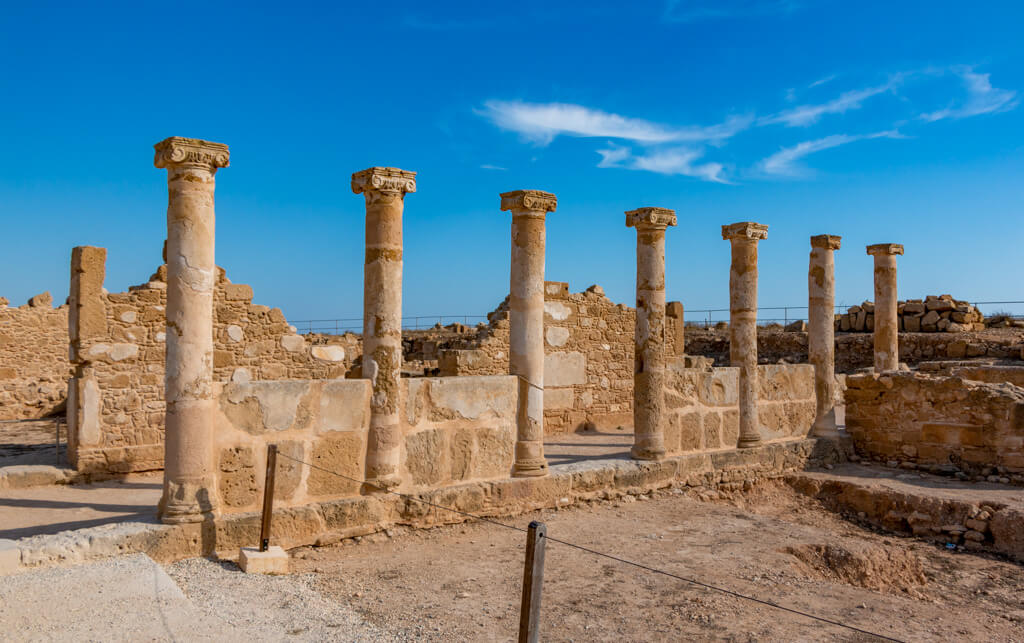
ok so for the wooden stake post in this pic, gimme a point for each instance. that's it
(268, 497)
(533, 581)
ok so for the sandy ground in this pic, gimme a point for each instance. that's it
(463, 582)
(32, 442)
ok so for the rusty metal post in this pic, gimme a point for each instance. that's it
(533, 581)
(268, 497)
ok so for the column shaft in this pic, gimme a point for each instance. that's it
(189, 493)
(821, 286)
(887, 354)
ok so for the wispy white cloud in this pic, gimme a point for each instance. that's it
(674, 160)
(542, 122)
(822, 81)
(686, 11)
(982, 98)
(784, 162)
(804, 115)
(488, 166)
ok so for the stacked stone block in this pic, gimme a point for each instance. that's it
(934, 314)
(33, 358)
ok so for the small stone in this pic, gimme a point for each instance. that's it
(975, 536)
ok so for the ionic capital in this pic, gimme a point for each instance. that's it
(745, 230)
(885, 249)
(383, 179)
(191, 152)
(650, 218)
(534, 201)
(826, 241)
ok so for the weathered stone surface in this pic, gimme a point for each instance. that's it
(341, 453)
(272, 561)
(565, 369)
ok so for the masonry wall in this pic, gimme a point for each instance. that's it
(703, 405)
(933, 420)
(588, 363)
(456, 430)
(33, 358)
(116, 403)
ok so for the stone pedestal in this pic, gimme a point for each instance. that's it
(272, 561)
(887, 324)
(189, 494)
(821, 294)
(384, 189)
(649, 334)
(526, 323)
(743, 322)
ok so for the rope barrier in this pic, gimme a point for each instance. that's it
(594, 552)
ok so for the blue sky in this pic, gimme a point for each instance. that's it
(878, 121)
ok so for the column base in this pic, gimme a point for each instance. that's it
(647, 453)
(530, 469)
(382, 484)
(187, 502)
(825, 431)
(747, 442)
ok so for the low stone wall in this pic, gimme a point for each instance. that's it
(942, 421)
(588, 363)
(456, 430)
(703, 405)
(33, 358)
(933, 314)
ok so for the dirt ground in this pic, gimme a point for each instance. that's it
(463, 582)
(31, 442)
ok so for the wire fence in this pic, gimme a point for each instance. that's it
(706, 317)
(594, 552)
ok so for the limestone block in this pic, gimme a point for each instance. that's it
(461, 453)
(293, 343)
(556, 335)
(343, 453)
(473, 397)
(329, 353)
(237, 292)
(234, 333)
(272, 561)
(261, 406)
(237, 479)
(911, 324)
(10, 557)
(565, 369)
(557, 310)
(719, 387)
(559, 398)
(494, 453)
(425, 457)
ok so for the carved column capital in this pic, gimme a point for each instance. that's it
(535, 202)
(826, 241)
(650, 218)
(191, 152)
(384, 179)
(885, 249)
(745, 230)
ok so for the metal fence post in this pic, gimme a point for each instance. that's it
(268, 497)
(533, 581)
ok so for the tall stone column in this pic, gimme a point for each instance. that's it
(526, 324)
(821, 336)
(887, 324)
(189, 475)
(743, 321)
(384, 189)
(649, 333)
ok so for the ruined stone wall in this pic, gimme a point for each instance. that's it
(702, 405)
(33, 358)
(116, 403)
(855, 350)
(933, 314)
(937, 421)
(455, 430)
(588, 364)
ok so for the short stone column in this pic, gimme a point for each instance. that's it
(743, 322)
(526, 324)
(821, 336)
(649, 331)
(189, 492)
(384, 189)
(887, 324)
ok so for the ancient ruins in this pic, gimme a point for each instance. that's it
(186, 375)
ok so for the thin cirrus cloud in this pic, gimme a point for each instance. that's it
(982, 98)
(687, 11)
(785, 162)
(541, 123)
(804, 115)
(675, 160)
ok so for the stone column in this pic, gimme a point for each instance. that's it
(526, 324)
(189, 493)
(887, 324)
(743, 321)
(821, 336)
(649, 332)
(384, 189)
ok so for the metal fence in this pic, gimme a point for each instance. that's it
(699, 316)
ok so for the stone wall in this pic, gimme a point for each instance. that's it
(456, 430)
(33, 358)
(116, 407)
(934, 314)
(937, 421)
(588, 365)
(703, 405)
